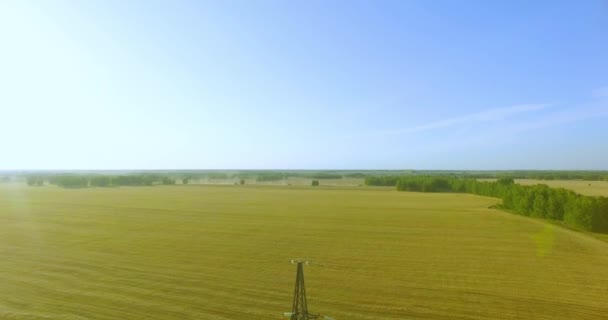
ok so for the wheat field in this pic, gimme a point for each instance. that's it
(223, 252)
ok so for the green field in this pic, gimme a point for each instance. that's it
(222, 252)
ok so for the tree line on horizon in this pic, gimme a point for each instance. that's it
(547, 175)
(84, 181)
(517, 174)
(75, 180)
(574, 210)
(277, 176)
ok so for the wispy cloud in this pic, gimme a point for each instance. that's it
(596, 108)
(522, 118)
(563, 117)
(513, 130)
(491, 115)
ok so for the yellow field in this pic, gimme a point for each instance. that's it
(591, 188)
(222, 252)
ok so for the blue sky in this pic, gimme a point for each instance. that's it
(304, 84)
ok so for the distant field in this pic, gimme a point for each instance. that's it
(222, 252)
(591, 188)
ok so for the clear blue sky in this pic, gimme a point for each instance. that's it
(304, 84)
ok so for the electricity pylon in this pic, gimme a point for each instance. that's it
(299, 309)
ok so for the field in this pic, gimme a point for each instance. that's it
(293, 181)
(590, 188)
(222, 252)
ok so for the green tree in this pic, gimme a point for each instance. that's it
(101, 181)
(540, 203)
(31, 181)
(506, 181)
(167, 181)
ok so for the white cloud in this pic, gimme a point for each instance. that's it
(563, 117)
(491, 115)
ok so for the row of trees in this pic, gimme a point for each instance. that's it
(34, 180)
(277, 176)
(147, 179)
(83, 181)
(521, 174)
(386, 181)
(355, 175)
(575, 210)
(546, 175)
(274, 176)
(322, 176)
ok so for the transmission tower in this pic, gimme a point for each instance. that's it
(299, 309)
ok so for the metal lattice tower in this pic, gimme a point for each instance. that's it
(299, 310)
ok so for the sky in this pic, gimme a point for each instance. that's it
(303, 84)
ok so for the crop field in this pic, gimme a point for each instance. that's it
(590, 188)
(223, 252)
(290, 181)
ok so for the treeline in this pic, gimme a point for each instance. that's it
(321, 176)
(546, 176)
(34, 180)
(391, 180)
(84, 181)
(565, 175)
(518, 174)
(282, 175)
(273, 176)
(575, 210)
(276, 176)
(386, 181)
(355, 175)
(216, 175)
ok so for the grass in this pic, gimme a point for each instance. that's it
(222, 252)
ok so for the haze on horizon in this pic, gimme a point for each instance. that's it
(303, 85)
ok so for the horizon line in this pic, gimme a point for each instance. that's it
(300, 169)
